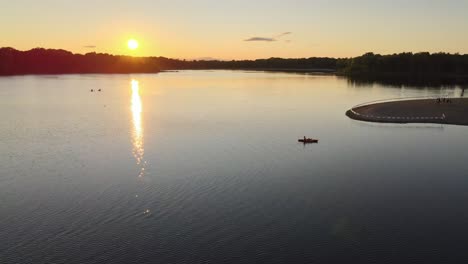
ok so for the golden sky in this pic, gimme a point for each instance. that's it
(219, 29)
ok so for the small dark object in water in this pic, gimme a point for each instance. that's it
(99, 90)
(92, 90)
(308, 140)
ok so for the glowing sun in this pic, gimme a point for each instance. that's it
(132, 44)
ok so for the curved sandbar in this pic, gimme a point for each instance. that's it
(454, 112)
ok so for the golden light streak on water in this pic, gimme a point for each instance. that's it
(137, 133)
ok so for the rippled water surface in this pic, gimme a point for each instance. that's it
(204, 167)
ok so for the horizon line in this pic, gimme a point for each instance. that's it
(217, 59)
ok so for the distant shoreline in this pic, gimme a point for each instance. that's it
(454, 112)
(418, 69)
(299, 70)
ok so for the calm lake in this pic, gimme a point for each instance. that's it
(205, 167)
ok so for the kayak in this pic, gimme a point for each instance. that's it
(308, 140)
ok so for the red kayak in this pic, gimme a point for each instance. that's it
(308, 140)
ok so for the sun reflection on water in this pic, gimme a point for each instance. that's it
(137, 135)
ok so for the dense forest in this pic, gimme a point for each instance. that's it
(403, 67)
(406, 63)
(407, 68)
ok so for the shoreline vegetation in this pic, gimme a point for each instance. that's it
(419, 69)
(451, 111)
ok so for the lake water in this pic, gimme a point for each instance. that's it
(204, 167)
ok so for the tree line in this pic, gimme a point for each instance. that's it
(51, 61)
(421, 63)
(416, 69)
(406, 65)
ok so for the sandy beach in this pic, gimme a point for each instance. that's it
(454, 112)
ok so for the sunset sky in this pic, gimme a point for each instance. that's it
(219, 29)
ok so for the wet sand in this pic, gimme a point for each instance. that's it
(414, 111)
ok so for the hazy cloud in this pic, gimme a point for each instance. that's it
(89, 46)
(260, 39)
(283, 34)
(275, 38)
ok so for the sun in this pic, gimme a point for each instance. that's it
(132, 44)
